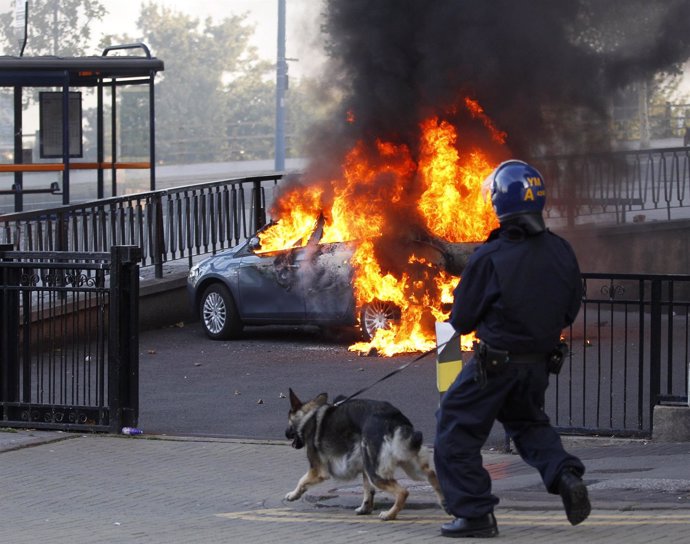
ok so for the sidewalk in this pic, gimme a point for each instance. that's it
(65, 488)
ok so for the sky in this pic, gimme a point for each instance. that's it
(301, 24)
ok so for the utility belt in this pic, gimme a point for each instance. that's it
(492, 361)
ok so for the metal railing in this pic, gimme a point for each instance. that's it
(629, 352)
(615, 186)
(167, 225)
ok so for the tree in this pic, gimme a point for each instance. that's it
(305, 108)
(56, 27)
(645, 43)
(214, 99)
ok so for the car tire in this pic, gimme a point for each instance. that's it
(218, 313)
(376, 315)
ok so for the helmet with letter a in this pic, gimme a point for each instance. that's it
(516, 189)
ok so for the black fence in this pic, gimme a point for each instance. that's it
(167, 225)
(629, 352)
(619, 187)
(69, 348)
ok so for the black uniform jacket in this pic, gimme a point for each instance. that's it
(519, 291)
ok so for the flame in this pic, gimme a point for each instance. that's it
(417, 295)
(369, 186)
(383, 188)
(452, 203)
(478, 112)
(298, 210)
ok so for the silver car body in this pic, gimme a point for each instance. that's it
(305, 285)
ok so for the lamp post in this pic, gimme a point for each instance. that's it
(281, 87)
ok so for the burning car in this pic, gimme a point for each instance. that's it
(307, 284)
(376, 238)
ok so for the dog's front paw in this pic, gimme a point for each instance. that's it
(293, 496)
(363, 510)
(388, 515)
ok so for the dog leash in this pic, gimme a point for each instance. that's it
(397, 370)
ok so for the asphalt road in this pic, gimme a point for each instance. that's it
(190, 385)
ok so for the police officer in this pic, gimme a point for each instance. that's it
(519, 290)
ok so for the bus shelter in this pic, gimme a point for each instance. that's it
(60, 110)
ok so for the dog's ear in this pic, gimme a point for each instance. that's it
(321, 399)
(295, 403)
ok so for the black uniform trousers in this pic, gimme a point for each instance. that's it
(515, 397)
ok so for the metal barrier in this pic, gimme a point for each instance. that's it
(614, 186)
(629, 352)
(69, 339)
(167, 225)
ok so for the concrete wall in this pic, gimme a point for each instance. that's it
(164, 302)
(671, 424)
(637, 248)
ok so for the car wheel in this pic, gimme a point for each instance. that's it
(218, 313)
(377, 315)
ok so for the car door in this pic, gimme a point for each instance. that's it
(269, 290)
(327, 276)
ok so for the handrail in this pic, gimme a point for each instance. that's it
(137, 45)
(167, 224)
(619, 184)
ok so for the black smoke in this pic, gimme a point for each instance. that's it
(544, 71)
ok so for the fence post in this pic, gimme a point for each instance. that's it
(158, 234)
(257, 204)
(62, 234)
(654, 349)
(123, 351)
(9, 333)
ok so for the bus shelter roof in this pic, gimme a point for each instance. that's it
(74, 71)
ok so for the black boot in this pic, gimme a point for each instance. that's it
(573, 491)
(481, 527)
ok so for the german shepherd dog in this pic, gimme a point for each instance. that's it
(368, 437)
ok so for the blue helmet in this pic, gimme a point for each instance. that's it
(517, 188)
